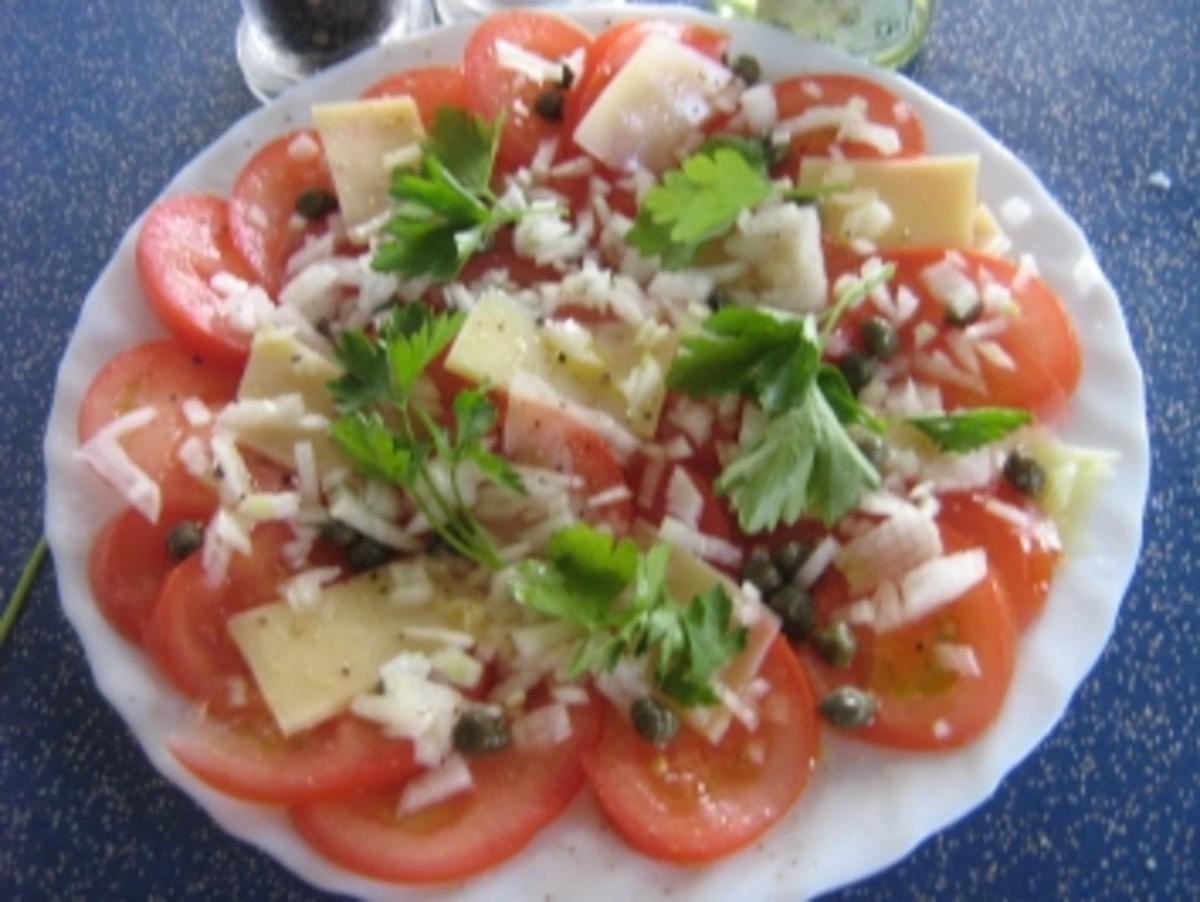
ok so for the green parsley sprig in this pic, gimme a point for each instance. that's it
(391, 439)
(619, 596)
(804, 462)
(968, 430)
(446, 211)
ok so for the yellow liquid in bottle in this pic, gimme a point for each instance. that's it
(886, 32)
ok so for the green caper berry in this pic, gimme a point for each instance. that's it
(848, 707)
(1024, 473)
(880, 338)
(794, 606)
(653, 720)
(185, 537)
(836, 643)
(762, 573)
(747, 68)
(873, 448)
(315, 203)
(338, 533)
(717, 300)
(549, 104)
(858, 369)
(365, 553)
(964, 317)
(790, 557)
(480, 732)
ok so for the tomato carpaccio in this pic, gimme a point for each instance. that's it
(371, 458)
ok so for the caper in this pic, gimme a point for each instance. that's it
(836, 643)
(858, 369)
(653, 720)
(549, 104)
(1024, 473)
(794, 607)
(364, 553)
(964, 317)
(479, 732)
(880, 338)
(848, 707)
(185, 537)
(747, 68)
(717, 299)
(790, 557)
(761, 572)
(568, 78)
(776, 153)
(338, 533)
(873, 448)
(315, 203)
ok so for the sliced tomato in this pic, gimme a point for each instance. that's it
(692, 801)
(187, 636)
(922, 704)
(244, 754)
(540, 435)
(162, 375)
(613, 47)
(264, 200)
(1039, 339)
(1023, 555)
(430, 87)
(795, 95)
(493, 88)
(516, 793)
(128, 565)
(184, 242)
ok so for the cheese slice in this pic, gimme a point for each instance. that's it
(651, 106)
(987, 235)
(280, 365)
(501, 338)
(310, 663)
(358, 136)
(932, 199)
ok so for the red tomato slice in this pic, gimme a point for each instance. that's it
(493, 88)
(1023, 558)
(264, 200)
(128, 565)
(516, 793)
(542, 436)
(693, 802)
(160, 374)
(922, 705)
(430, 87)
(1040, 340)
(244, 754)
(612, 49)
(184, 242)
(803, 92)
(187, 637)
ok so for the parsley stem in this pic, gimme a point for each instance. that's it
(852, 296)
(16, 601)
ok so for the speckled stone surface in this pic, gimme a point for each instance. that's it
(100, 102)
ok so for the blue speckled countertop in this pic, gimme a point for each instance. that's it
(101, 102)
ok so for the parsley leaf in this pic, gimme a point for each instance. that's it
(698, 202)
(966, 430)
(446, 211)
(406, 446)
(620, 597)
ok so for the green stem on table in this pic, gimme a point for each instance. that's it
(16, 601)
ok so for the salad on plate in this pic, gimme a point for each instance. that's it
(594, 415)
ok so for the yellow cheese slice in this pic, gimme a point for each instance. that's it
(501, 337)
(986, 234)
(358, 135)
(932, 199)
(648, 110)
(309, 664)
(279, 364)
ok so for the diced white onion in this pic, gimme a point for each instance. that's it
(710, 548)
(816, 563)
(684, 500)
(941, 580)
(445, 781)
(104, 453)
(958, 658)
(304, 589)
(196, 412)
(352, 511)
(543, 727)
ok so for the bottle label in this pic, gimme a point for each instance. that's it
(860, 27)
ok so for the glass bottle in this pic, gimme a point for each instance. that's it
(459, 10)
(886, 32)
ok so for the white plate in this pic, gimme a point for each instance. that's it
(864, 809)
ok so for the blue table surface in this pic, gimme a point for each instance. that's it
(101, 102)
